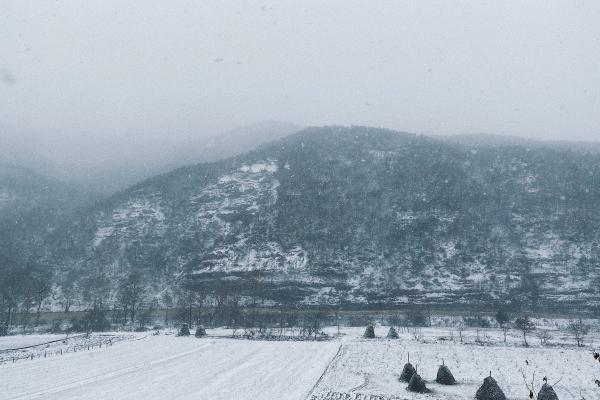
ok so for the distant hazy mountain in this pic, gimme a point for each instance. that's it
(232, 143)
(122, 171)
(32, 206)
(18, 152)
(483, 139)
(357, 215)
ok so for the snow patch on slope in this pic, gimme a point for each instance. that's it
(266, 257)
(235, 196)
(101, 234)
(270, 166)
(226, 209)
(137, 218)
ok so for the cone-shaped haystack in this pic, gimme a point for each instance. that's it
(184, 330)
(490, 390)
(547, 393)
(407, 372)
(392, 334)
(417, 384)
(369, 332)
(444, 376)
(200, 331)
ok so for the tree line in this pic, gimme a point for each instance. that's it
(23, 290)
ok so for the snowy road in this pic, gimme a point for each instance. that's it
(166, 367)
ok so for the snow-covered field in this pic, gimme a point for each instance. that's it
(169, 367)
(15, 348)
(143, 366)
(370, 367)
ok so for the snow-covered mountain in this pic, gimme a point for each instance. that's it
(356, 215)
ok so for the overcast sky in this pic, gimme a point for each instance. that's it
(79, 72)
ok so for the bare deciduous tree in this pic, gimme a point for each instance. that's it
(503, 320)
(130, 293)
(41, 288)
(579, 330)
(544, 336)
(525, 325)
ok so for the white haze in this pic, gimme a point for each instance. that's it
(104, 80)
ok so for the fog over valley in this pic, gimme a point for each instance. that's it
(102, 82)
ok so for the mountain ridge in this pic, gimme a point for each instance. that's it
(495, 140)
(354, 215)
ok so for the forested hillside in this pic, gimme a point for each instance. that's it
(32, 207)
(349, 215)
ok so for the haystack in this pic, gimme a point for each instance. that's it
(200, 331)
(444, 376)
(184, 330)
(408, 371)
(369, 332)
(490, 390)
(417, 384)
(392, 334)
(547, 393)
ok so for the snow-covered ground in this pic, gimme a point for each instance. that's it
(144, 366)
(371, 367)
(15, 348)
(169, 367)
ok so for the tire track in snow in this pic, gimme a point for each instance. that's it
(109, 375)
(324, 372)
(362, 385)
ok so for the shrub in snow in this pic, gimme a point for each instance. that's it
(417, 317)
(56, 328)
(93, 320)
(200, 331)
(184, 330)
(392, 334)
(477, 322)
(369, 332)
(417, 384)
(444, 376)
(547, 393)
(490, 390)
